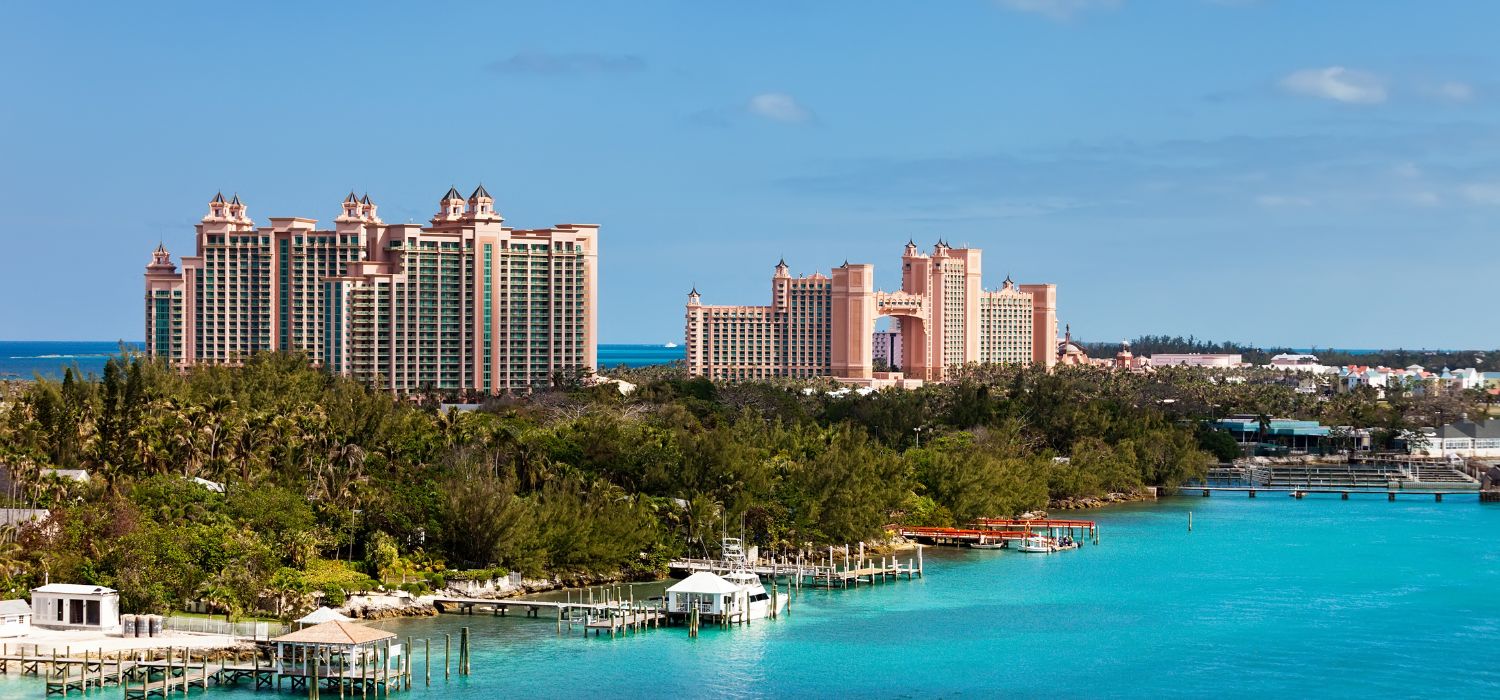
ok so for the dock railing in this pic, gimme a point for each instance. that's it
(254, 630)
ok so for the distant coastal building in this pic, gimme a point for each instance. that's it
(464, 303)
(885, 348)
(1464, 439)
(1195, 360)
(822, 325)
(1415, 379)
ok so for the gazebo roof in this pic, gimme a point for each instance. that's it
(703, 582)
(323, 614)
(335, 632)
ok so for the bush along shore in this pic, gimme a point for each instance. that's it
(274, 486)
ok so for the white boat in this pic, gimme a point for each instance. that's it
(1037, 544)
(984, 544)
(670, 345)
(736, 596)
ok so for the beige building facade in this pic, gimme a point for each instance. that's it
(465, 303)
(822, 325)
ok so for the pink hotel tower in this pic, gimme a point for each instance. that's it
(464, 303)
(821, 325)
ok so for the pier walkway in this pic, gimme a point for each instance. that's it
(1343, 491)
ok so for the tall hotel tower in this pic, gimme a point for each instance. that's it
(821, 325)
(465, 303)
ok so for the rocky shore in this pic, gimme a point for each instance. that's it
(1108, 499)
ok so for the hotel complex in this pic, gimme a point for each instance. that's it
(822, 325)
(464, 303)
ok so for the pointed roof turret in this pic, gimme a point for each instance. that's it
(366, 199)
(352, 198)
(236, 200)
(161, 248)
(452, 194)
(480, 192)
(218, 198)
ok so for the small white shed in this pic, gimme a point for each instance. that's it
(70, 606)
(15, 617)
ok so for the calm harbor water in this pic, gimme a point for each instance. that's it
(1265, 598)
(23, 359)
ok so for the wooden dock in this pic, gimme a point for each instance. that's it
(849, 570)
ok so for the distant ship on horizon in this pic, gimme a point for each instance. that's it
(670, 345)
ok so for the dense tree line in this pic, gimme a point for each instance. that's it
(254, 487)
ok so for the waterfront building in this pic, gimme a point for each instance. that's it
(71, 606)
(1275, 435)
(822, 325)
(15, 617)
(464, 303)
(1463, 440)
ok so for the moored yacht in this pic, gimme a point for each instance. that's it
(736, 596)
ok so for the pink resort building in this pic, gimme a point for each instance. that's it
(464, 303)
(824, 325)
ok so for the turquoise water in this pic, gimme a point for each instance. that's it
(23, 359)
(1266, 597)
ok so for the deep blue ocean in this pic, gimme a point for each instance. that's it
(23, 359)
(1265, 598)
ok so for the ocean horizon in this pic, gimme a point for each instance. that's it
(25, 359)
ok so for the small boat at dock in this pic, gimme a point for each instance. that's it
(1037, 544)
(985, 543)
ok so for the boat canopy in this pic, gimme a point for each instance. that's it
(705, 583)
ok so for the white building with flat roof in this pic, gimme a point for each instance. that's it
(71, 606)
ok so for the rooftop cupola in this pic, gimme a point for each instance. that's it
(481, 204)
(161, 260)
(237, 209)
(367, 209)
(218, 208)
(351, 207)
(694, 298)
(451, 207)
(782, 270)
(911, 248)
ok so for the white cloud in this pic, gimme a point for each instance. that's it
(1337, 83)
(778, 106)
(1057, 9)
(1487, 193)
(1452, 91)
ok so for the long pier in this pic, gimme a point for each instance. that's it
(1300, 492)
(843, 567)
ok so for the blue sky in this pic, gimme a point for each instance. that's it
(1299, 173)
